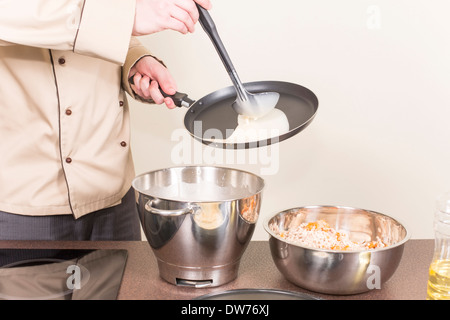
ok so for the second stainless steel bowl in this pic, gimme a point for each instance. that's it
(334, 271)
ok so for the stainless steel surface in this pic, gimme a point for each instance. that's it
(212, 118)
(256, 294)
(198, 221)
(332, 271)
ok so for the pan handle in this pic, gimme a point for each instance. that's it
(179, 98)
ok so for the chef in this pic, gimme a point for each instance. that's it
(65, 161)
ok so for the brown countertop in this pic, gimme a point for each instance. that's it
(141, 280)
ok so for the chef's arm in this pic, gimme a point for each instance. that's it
(97, 28)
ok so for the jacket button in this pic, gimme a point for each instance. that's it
(61, 61)
(68, 112)
(123, 144)
(121, 103)
(68, 160)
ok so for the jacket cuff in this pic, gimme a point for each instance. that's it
(105, 29)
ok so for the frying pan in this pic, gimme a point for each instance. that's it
(212, 119)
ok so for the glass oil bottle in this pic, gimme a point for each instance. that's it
(438, 287)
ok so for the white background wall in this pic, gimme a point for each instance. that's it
(381, 71)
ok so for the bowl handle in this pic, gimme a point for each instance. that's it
(177, 212)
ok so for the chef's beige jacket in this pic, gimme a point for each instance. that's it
(64, 117)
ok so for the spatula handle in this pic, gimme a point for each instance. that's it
(209, 26)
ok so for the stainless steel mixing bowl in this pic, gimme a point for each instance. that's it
(198, 221)
(332, 271)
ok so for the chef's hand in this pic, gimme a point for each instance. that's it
(158, 15)
(149, 75)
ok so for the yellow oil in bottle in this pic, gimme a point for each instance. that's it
(439, 280)
(438, 287)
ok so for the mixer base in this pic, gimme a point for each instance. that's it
(198, 277)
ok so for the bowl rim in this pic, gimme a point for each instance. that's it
(296, 244)
(135, 180)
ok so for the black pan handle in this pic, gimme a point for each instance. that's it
(209, 27)
(179, 98)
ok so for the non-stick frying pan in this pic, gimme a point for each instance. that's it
(212, 119)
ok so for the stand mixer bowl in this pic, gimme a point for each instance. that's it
(198, 221)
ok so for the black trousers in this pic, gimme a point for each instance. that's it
(120, 222)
